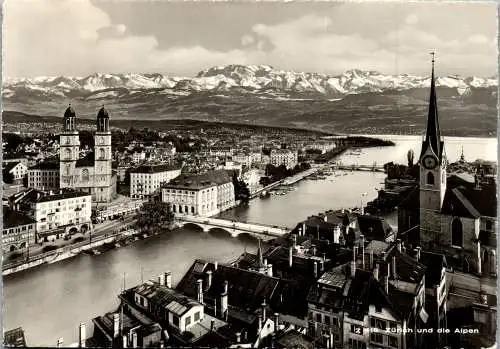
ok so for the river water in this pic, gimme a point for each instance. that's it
(51, 300)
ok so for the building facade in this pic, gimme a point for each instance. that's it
(65, 212)
(18, 170)
(18, 231)
(44, 176)
(92, 174)
(286, 157)
(146, 180)
(191, 198)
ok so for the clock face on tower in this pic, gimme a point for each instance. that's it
(429, 162)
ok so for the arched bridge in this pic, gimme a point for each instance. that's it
(235, 228)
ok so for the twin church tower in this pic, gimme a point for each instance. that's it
(92, 173)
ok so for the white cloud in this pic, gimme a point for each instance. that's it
(73, 37)
(478, 39)
(411, 19)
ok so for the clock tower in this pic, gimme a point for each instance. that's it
(102, 157)
(69, 149)
(432, 165)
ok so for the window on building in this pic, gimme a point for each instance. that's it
(489, 225)
(85, 175)
(175, 320)
(393, 342)
(430, 178)
(456, 233)
(327, 320)
(376, 338)
(318, 317)
(197, 316)
(188, 321)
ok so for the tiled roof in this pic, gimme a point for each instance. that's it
(65, 194)
(9, 166)
(408, 269)
(155, 168)
(46, 165)
(162, 297)
(13, 218)
(374, 228)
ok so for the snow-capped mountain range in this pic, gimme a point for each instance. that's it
(251, 79)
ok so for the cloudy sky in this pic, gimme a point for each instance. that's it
(81, 37)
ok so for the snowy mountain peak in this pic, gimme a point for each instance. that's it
(241, 77)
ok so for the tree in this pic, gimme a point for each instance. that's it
(241, 191)
(154, 215)
(410, 156)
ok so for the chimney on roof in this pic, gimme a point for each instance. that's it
(81, 335)
(418, 253)
(216, 265)
(371, 259)
(161, 279)
(200, 291)
(382, 255)
(134, 340)
(238, 337)
(314, 250)
(354, 253)
(303, 228)
(362, 237)
(124, 341)
(116, 325)
(315, 269)
(394, 274)
(294, 237)
(290, 256)
(209, 279)
(386, 278)
(168, 279)
(265, 262)
(276, 322)
(263, 307)
(224, 301)
(399, 245)
(376, 271)
(322, 265)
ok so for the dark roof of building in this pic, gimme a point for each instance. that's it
(87, 161)
(162, 297)
(462, 199)
(434, 264)
(374, 228)
(13, 218)
(200, 181)
(155, 168)
(62, 194)
(363, 290)
(408, 269)
(294, 339)
(10, 165)
(46, 165)
(70, 112)
(14, 338)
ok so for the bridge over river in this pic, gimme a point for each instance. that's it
(235, 228)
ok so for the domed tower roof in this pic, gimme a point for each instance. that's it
(70, 112)
(103, 113)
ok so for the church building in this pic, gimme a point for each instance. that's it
(447, 214)
(92, 173)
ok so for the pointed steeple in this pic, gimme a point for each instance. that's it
(433, 134)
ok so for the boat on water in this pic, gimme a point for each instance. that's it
(264, 195)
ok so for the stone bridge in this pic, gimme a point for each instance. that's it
(235, 228)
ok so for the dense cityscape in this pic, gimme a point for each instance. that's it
(249, 175)
(339, 279)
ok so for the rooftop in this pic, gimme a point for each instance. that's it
(14, 218)
(155, 168)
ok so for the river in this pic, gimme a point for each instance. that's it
(51, 300)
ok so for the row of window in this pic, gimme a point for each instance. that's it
(17, 229)
(9, 239)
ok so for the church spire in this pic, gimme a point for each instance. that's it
(433, 134)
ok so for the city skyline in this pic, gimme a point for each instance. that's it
(181, 39)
